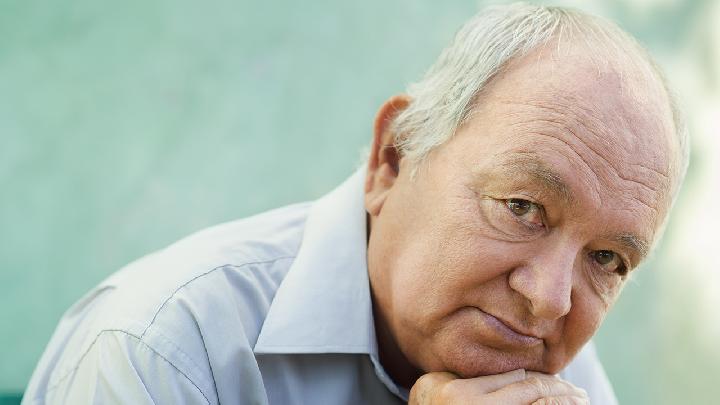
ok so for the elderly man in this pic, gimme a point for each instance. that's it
(505, 201)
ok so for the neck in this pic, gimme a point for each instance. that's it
(398, 367)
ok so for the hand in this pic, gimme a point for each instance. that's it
(513, 388)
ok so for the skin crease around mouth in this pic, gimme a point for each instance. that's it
(588, 144)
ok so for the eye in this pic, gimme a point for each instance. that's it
(525, 210)
(609, 261)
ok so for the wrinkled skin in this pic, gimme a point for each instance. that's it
(487, 260)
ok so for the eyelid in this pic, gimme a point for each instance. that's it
(624, 259)
(624, 263)
(522, 196)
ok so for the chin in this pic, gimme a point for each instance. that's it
(469, 361)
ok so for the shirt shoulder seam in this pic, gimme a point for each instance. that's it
(162, 306)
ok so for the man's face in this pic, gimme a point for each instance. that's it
(514, 239)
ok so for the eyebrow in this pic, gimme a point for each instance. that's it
(529, 165)
(633, 242)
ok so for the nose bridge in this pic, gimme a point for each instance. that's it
(546, 279)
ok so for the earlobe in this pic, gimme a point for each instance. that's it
(384, 160)
(378, 189)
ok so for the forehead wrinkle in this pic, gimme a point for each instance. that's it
(571, 113)
(593, 187)
(570, 117)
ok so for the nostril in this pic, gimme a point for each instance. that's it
(551, 304)
(547, 293)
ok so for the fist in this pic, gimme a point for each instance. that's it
(513, 388)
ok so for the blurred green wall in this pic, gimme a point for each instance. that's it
(127, 125)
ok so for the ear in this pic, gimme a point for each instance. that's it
(384, 160)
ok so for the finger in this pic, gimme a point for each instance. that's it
(460, 391)
(489, 383)
(562, 401)
(535, 387)
(446, 387)
(551, 378)
(428, 386)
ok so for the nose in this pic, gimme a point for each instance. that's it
(546, 281)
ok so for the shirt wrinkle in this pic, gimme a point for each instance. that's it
(237, 266)
(139, 340)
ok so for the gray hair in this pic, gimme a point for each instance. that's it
(443, 100)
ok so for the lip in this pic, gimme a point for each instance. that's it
(508, 334)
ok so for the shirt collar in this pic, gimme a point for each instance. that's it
(323, 304)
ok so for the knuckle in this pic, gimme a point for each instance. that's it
(449, 391)
(538, 385)
(428, 381)
(584, 397)
(425, 379)
(554, 401)
(430, 388)
(420, 390)
(584, 400)
(580, 396)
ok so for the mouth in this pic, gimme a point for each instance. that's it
(507, 335)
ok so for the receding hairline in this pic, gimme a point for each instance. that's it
(490, 42)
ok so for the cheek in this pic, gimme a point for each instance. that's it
(585, 317)
(444, 266)
(580, 324)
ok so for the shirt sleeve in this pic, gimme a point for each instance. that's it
(119, 368)
(586, 372)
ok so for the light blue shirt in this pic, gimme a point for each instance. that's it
(271, 309)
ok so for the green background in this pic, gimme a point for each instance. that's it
(127, 125)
